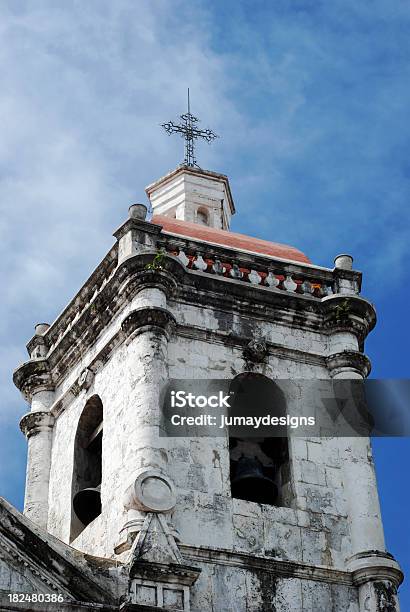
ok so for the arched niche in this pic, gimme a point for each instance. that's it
(259, 463)
(87, 467)
(202, 216)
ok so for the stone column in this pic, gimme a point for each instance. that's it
(34, 379)
(375, 572)
(38, 428)
(348, 321)
(361, 489)
(377, 576)
(147, 329)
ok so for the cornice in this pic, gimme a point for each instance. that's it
(348, 361)
(171, 572)
(76, 575)
(263, 304)
(348, 313)
(79, 303)
(286, 569)
(185, 331)
(71, 336)
(39, 571)
(137, 225)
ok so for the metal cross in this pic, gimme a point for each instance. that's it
(190, 132)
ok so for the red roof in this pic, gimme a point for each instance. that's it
(240, 242)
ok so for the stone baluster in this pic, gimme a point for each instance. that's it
(235, 272)
(271, 280)
(254, 277)
(218, 267)
(306, 287)
(200, 263)
(183, 258)
(289, 283)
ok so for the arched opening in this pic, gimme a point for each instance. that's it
(259, 463)
(202, 216)
(87, 470)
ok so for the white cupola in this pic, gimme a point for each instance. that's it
(195, 195)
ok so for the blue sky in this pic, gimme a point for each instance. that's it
(311, 99)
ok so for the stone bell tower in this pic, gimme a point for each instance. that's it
(141, 521)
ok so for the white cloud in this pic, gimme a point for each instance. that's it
(85, 86)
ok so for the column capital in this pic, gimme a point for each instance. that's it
(151, 268)
(33, 423)
(348, 313)
(159, 279)
(153, 318)
(374, 565)
(33, 376)
(346, 361)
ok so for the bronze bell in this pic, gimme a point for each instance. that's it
(87, 504)
(250, 482)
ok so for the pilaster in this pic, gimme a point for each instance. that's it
(147, 328)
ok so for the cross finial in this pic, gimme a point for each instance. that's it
(190, 132)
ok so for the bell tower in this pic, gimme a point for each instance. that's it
(202, 523)
(142, 520)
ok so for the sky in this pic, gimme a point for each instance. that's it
(310, 99)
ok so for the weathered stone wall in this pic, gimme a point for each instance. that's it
(162, 306)
(208, 342)
(231, 589)
(315, 530)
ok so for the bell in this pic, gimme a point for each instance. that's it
(87, 504)
(251, 484)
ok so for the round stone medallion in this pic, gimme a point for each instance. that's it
(154, 492)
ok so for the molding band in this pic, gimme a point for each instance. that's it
(34, 423)
(150, 317)
(349, 361)
(374, 565)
